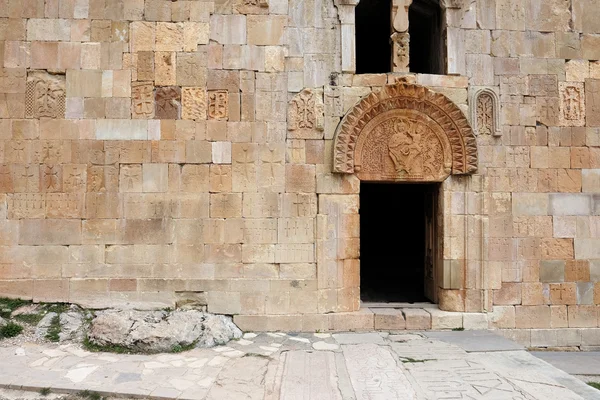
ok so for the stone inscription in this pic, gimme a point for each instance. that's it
(306, 115)
(374, 373)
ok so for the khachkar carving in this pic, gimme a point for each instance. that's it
(306, 115)
(572, 104)
(405, 132)
(218, 104)
(45, 95)
(485, 111)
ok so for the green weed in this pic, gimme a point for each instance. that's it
(10, 330)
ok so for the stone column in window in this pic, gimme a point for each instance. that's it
(346, 10)
(400, 36)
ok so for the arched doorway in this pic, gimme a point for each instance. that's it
(402, 143)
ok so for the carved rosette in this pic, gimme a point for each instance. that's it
(405, 132)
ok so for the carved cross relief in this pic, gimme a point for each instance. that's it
(484, 103)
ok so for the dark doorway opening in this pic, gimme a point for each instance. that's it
(396, 245)
(373, 31)
(426, 31)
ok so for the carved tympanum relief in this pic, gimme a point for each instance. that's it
(306, 115)
(485, 111)
(405, 132)
(45, 95)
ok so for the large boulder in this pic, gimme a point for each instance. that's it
(161, 331)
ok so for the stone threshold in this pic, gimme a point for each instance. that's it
(373, 318)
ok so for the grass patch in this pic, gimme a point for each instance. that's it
(408, 360)
(10, 330)
(31, 319)
(58, 308)
(595, 385)
(7, 306)
(458, 329)
(257, 355)
(96, 348)
(53, 333)
(177, 348)
(87, 394)
(45, 391)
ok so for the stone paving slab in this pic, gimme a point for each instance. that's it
(279, 366)
(575, 363)
(475, 341)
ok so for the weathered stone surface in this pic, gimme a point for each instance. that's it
(157, 331)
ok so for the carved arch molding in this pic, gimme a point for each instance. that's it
(405, 132)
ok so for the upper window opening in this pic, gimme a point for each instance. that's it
(426, 37)
(373, 30)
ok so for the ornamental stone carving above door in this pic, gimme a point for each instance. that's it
(405, 132)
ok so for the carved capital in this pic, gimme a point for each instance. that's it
(401, 17)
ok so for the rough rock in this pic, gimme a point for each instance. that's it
(158, 331)
(71, 325)
(28, 309)
(2, 321)
(41, 329)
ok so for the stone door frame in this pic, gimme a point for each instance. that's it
(448, 151)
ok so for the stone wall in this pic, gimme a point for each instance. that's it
(159, 150)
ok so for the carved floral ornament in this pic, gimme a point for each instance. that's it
(405, 132)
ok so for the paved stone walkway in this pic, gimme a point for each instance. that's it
(271, 366)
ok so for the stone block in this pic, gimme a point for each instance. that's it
(587, 249)
(228, 29)
(557, 249)
(48, 30)
(49, 232)
(226, 205)
(300, 178)
(165, 67)
(143, 36)
(84, 83)
(544, 338)
(389, 319)
(417, 319)
(445, 320)
(221, 152)
(532, 317)
(475, 321)
(510, 293)
(530, 204)
(583, 316)
(121, 129)
(570, 204)
(363, 320)
(502, 317)
(224, 302)
(266, 30)
(590, 337)
(169, 36)
(155, 178)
